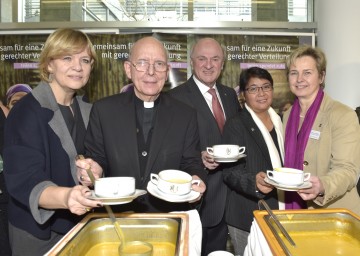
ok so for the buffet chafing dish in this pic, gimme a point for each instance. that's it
(315, 232)
(95, 234)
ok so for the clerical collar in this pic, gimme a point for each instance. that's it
(148, 104)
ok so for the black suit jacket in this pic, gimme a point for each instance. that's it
(240, 176)
(213, 205)
(111, 140)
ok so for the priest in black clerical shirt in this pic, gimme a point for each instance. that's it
(144, 130)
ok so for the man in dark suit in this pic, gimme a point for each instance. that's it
(207, 60)
(144, 131)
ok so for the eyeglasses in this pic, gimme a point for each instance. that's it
(256, 89)
(143, 66)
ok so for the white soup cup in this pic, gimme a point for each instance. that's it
(288, 176)
(225, 150)
(173, 182)
(114, 187)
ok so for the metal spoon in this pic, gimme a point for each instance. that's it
(107, 207)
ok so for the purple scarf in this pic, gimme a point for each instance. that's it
(295, 144)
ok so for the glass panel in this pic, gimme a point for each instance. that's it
(223, 10)
(31, 11)
(253, 10)
(298, 10)
(158, 10)
(151, 10)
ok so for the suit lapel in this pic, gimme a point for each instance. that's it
(256, 134)
(200, 104)
(46, 98)
(224, 99)
(129, 132)
(317, 128)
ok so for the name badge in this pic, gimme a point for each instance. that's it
(314, 135)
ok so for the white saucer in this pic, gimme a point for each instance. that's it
(221, 159)
(152, 189)
(284, 187)
(118, 200)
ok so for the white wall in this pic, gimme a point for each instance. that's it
(339, 37)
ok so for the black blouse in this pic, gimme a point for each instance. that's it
(75, 124)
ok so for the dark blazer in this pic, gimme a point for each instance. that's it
(39, 152)
(240, 177)
(111, 140)
(4, 198)
(213, 205)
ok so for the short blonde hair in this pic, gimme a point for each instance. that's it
(314, 52)
(62, 42)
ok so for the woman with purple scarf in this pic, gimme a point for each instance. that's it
(322, 136)
(15, 93)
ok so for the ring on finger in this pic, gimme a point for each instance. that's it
(82, 178)
(87, 209)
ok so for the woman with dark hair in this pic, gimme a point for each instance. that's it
(44, 132)
(15, 93)
(257, 127)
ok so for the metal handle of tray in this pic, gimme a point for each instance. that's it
(277, 222)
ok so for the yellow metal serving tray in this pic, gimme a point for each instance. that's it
(95, 234)
(315, 232)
